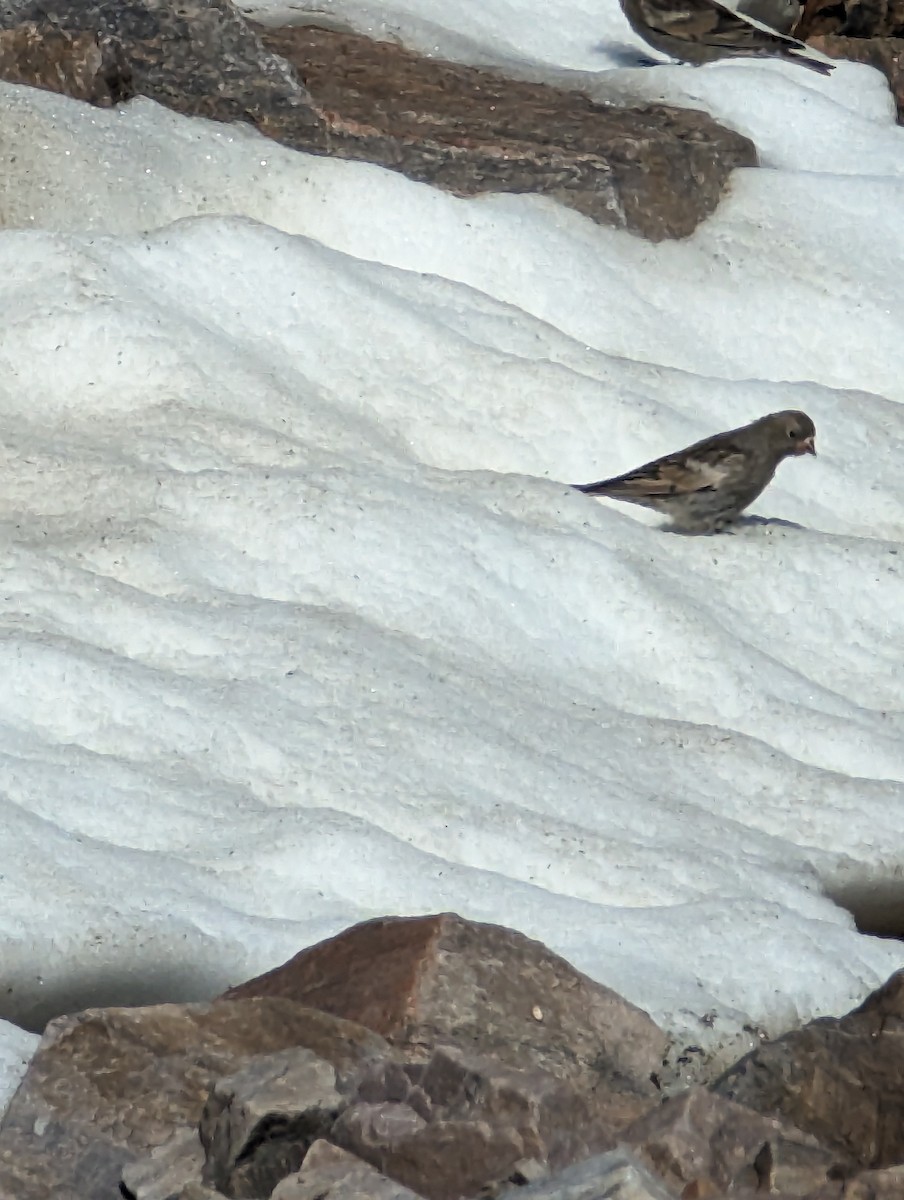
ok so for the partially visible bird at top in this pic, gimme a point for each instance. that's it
(780, 15)
(706, 487)
(701, 31)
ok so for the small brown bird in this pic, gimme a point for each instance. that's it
(701, 31)
(705, 487)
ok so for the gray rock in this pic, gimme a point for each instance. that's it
(197, 1191)
(259, 1123)
(617, 1175)
(329, 1173)
(700, 1138)
(165, 1174)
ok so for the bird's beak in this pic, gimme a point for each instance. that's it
(807, 446)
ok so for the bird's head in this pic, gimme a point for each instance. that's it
(791, 433)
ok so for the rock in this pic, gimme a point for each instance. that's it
(197, 1191)
(865, 31)
(869, 1185)
(486, 989)
(463, 1125)
(259, 1123)
(651, 169)
(106, 1087)
(82, 65)
(617, 1175)
(198, 57)
(329, 1173)
(168, 1170)
(866, 19)
(841, 1080)
(886, 54)
(699, 1137)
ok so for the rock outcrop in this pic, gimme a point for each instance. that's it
(651, 169)
(444, 1059)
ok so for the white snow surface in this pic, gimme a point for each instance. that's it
(300, 626)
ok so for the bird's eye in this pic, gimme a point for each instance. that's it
(792, 433)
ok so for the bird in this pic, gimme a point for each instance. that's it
(701, 31)
(780, 15)
(705, 487)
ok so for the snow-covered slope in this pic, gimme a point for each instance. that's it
(300, 624)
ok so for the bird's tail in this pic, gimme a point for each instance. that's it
(815, 64)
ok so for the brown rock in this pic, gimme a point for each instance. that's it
(168, 1170)
(82, 65)
(553, 1123)
(841, 1080)
(702, 1139)
(449, 1160)
(370, 1128)
(466, 1126)
(259, 1123)
(654, 170)
(490, 991)
(651, 169)
(329, 1173)
(198, 57)
(108, 1086)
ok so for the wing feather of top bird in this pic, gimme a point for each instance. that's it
(715, 24)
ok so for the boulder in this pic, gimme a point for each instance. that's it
(108, 1086)
(648, 168)
(617, 1175)
(85, 66)
(259, 1123)
(839, 1079)
(700, 1138)
(462, 1125)
(490, 991)
(198, 57)
(329, 1173)
(652, 169)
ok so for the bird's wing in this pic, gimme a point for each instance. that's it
(675, 475)
(710, 23)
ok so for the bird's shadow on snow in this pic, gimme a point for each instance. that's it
(742, 523)
(623, 55)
